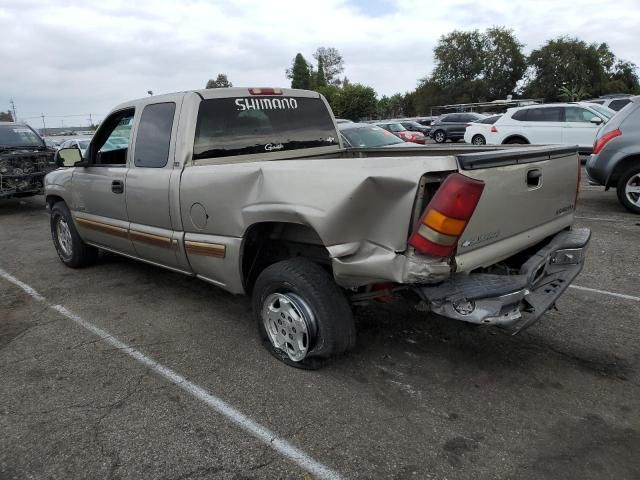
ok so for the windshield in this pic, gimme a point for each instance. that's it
(370, 137)
(249, 125)
(19, 136)
(604, 111)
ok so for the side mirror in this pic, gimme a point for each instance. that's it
(68, 157)
(596, 120)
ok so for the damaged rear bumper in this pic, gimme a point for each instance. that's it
(512, 301)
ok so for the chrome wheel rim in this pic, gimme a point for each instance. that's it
(632, 189)
(439, 137)
(288, 321)
(478, 140)
(64, 236)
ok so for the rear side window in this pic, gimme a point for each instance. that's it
(550, 114)
(248, 125)
(619, 104)
(154, 135)
(521, 115)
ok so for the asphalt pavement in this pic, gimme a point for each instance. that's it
(124, 370)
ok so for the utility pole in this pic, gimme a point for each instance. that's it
(90, 120)
(13, 108)
(44, 125)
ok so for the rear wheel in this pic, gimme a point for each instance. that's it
(71, 249)
(303, 317)
(478, 140)
(629, 190)
(440, 136)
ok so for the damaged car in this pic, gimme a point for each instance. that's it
(253, 191)
(24, 161)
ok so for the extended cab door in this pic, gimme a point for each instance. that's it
(148, 183)
(98, 199)
(578, 128)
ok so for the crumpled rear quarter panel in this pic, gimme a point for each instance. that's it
(343, 200)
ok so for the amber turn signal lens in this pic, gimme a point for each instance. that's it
(443, 224)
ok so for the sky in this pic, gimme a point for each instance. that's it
(67, 59)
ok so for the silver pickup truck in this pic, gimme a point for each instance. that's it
(251, 190)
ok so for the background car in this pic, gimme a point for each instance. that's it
(365, 135)
(554, 123)
(343, 120)
(615, 161)
(398, 130)
(476, 133)
(80, 143)
(452, 126)
(414, 126)
(615, 103)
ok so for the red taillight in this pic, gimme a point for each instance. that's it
(447, 215)
(494, 129)
(265, 91)
(606, 138)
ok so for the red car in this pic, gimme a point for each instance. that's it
(399, 131)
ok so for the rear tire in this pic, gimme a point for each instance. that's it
(71, 249)
(440, 136)
(478, 140)
(628, 190)
(303, 317)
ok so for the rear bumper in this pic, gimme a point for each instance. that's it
(512, 301)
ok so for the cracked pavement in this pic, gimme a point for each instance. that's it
(420, 397)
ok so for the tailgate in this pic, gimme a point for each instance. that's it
(529, 194)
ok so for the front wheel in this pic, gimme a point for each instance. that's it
(303, 317)
(440, 136)
(71, 249)
(478, 140)
(628, 190)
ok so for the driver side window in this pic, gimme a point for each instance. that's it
(111, 143)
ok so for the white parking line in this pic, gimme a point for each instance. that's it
(604, 292)
(243, 421)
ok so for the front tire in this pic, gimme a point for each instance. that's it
(478, 140)
(628, 190)
(440, 136)
(71, 249)
(303, 317)
(516, 141)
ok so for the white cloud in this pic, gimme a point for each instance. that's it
(69, 57)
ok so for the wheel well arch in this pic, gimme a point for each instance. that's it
(266, 243)
(515, 137)
(51, 200)
(622, 166)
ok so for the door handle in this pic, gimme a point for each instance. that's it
(117, 186)
(534, 178)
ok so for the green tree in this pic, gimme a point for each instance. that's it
(299, 73)
(6, 116)
(478, 66)
(626, 77)
(503, 63)
(332, 63)
(572, 94)
(321, 80)
(355, 102)
(331, 93)
(567, 62)
(221, 81)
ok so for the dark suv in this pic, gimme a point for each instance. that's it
(615, 161)
(452, 126)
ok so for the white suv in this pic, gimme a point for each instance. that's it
(568, 123)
